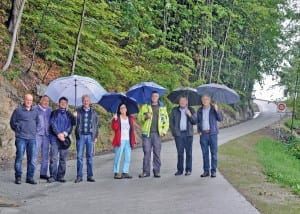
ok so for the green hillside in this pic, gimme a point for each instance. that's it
(183, 42)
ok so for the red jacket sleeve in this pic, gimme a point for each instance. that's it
(115, 125)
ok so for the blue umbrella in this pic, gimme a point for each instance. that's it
(142, 92)
(219, 93)
(111, 101)
(73, 87)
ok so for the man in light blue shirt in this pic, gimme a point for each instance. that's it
(182, 119)
(208, 115)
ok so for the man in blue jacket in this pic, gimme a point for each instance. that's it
(61, 124)
(24, 122)
(42, 135)
(208, 115)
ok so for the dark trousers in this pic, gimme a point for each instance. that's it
(148, 143)
(57, 172)
(184, 142)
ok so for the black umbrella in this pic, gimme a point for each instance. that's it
(192, 95)
(219, 93)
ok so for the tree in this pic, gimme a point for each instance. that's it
(14, 36)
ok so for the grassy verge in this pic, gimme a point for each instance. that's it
(278, 164)
(242, 165)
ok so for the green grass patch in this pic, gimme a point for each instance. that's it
(296, 123)
(241, 165)
(279, 164)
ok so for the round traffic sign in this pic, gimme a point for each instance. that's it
(281, 107)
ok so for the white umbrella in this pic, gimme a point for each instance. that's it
(74, 87)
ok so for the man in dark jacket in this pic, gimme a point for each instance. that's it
(208, 115)
(182, 120)
(86, 135)
(61, 124)
(24, 122)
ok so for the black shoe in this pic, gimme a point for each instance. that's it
(78, 180)
(213, 175)
(117, 176)
(178, 173)
(61, 180)
(18, 180)
(205, 174)
(44, 177)
(144, 175)
(31, 181)
(126, 175)
(91, 179)
(51, 180)
(156, 175)
(187, 173)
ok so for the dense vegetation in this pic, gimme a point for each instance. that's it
(173, 42)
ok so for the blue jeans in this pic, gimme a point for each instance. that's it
(85, 140)
(43, 142)
(57, 172)
(184, 142)
(209, 142)
(22, 145)
(126, 148)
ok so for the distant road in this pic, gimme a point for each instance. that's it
(168, 194)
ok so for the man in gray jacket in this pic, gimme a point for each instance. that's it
(182, 120)
(24, 122)
(86, 135)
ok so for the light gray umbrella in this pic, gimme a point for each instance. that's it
(74, 87)
(191, 94)
(219, 93)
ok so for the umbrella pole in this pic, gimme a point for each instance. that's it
(75, 93)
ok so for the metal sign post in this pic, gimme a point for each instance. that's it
(281, 108)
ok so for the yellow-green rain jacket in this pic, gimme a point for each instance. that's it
(163, 119)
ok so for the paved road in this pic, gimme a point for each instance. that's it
(169, 194)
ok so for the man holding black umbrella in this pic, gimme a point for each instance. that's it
(182, 120)
(208, 115)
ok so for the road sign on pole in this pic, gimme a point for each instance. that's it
(281, 107)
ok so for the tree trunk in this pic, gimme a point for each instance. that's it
(14, 37)
(223, 51)
(78, 37)
(13, 14)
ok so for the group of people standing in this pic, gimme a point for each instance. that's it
(41, 130)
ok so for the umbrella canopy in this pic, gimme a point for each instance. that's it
(219, 93)
(73, 87)
(142, 92)
(111, 101)
(192, 95)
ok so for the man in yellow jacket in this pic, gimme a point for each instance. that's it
(155, 124)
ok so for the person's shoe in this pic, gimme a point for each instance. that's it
(51, 180)
(78, 180)
(213, 174)
(44, 177)
(118, 176)
(126, 175)
(156, 175)
(178, 173)
(61, 180)
(91, 179)
(144, 175)
(18, 180)
(31, 181)
(187, 173)
(205, 174)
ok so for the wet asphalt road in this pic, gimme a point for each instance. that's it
(168, 194)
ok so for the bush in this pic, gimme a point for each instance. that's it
(296, 124)
(294, 147)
